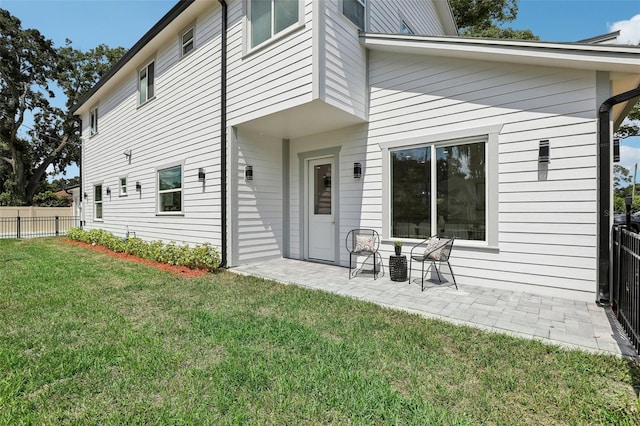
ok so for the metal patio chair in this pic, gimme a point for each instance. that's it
(363, 242)
(432, 250)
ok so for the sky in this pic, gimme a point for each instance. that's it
(88, 23)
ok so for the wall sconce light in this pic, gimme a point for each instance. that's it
(616, 150)
(357, 170)
(248, 172)
(127, 155)
(543, 151)
(86, 195)
(201, 174)
(108, 191)
(138, 187)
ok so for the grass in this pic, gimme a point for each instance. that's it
(89, 339)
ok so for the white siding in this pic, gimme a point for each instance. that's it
(386, 16)
(258, 228)
(343, 63)
(179, 126)
(547, 219)
(272, 78)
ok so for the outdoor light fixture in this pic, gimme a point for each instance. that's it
(248, 172)
(357, 170)
(127, 155)
(616, 150)
(201, 174)
(138, 187)
(543, 151)
(86, 195)
(108, 191)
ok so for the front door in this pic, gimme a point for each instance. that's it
(320, 210)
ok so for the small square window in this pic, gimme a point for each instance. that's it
(405, 29)
(187, 41)
(93, 121)
(146, 82)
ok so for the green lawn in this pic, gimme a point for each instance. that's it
(89, 339)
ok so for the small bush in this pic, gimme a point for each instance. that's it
(198, 257)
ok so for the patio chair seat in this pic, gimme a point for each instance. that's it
(432, 250)
(363, 242)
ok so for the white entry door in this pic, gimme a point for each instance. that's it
(320, 210)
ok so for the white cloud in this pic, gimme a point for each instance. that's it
(629, 30)
(629, 157)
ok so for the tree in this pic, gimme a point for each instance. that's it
(630, 128)
(481, 18)
(30, 66)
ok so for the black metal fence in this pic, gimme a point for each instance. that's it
(31, 227)
(626, 291)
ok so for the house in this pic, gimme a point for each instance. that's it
(272, 129)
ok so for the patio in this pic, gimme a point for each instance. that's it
(557, 321)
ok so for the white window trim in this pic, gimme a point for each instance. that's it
(93, 122)
(248, 49)
(182, 188)
(353, 24)
(488, 134)
(191, 27)
(155, 81)
(101, 202)
(126, 189)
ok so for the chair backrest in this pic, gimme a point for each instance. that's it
(446, 251)
(362, 240)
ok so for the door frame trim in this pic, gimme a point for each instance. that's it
(303, 160)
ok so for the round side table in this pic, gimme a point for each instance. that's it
(398, 267)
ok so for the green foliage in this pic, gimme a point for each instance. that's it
(630, 127)
(397, 243)
(202, 256)
(494, 31)
(482, 18)
(50, 199)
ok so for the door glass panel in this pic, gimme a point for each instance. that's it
(322, 189)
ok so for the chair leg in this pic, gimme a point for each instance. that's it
(452, 276)
(350, 256)
(437, 271)
(375, 271)
(422, 284)
(410, 263)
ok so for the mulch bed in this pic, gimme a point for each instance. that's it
(182, 271)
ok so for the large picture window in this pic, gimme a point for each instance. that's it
(269, 17)
(170, 190)
(439, 189)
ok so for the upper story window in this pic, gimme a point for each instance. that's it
(123, 186)
(186, 40)
(97, 202)
(354, 10)
(405, 29)
(93, 120)
(170, 190)
(269, 17)
(146, 82)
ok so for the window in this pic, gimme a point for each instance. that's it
(170, 190)
(269, 17)
(354, 10)
(97, 202)
(186, 39)
(93, 121)
(146, 83)
(123, 186)
(405, 29)
(439, 189)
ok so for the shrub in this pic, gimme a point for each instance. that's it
(199, 257)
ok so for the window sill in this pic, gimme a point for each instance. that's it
(148, 101)
(408, 244)
(274, 39)
(169, 214)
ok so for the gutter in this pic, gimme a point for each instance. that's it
(223, 131)
(604, 189)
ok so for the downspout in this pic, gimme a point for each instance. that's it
(604, 183)
(223, 131)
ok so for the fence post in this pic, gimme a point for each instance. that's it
(18, 227)
(57, 227)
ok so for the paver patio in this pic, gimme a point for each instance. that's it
(564, 322)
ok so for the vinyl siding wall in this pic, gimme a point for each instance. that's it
(179, 126)
(386, 16)
(547, 219)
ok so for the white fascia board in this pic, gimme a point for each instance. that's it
(443, 9)
(564, 55)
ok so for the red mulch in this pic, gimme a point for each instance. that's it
(182, 271)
